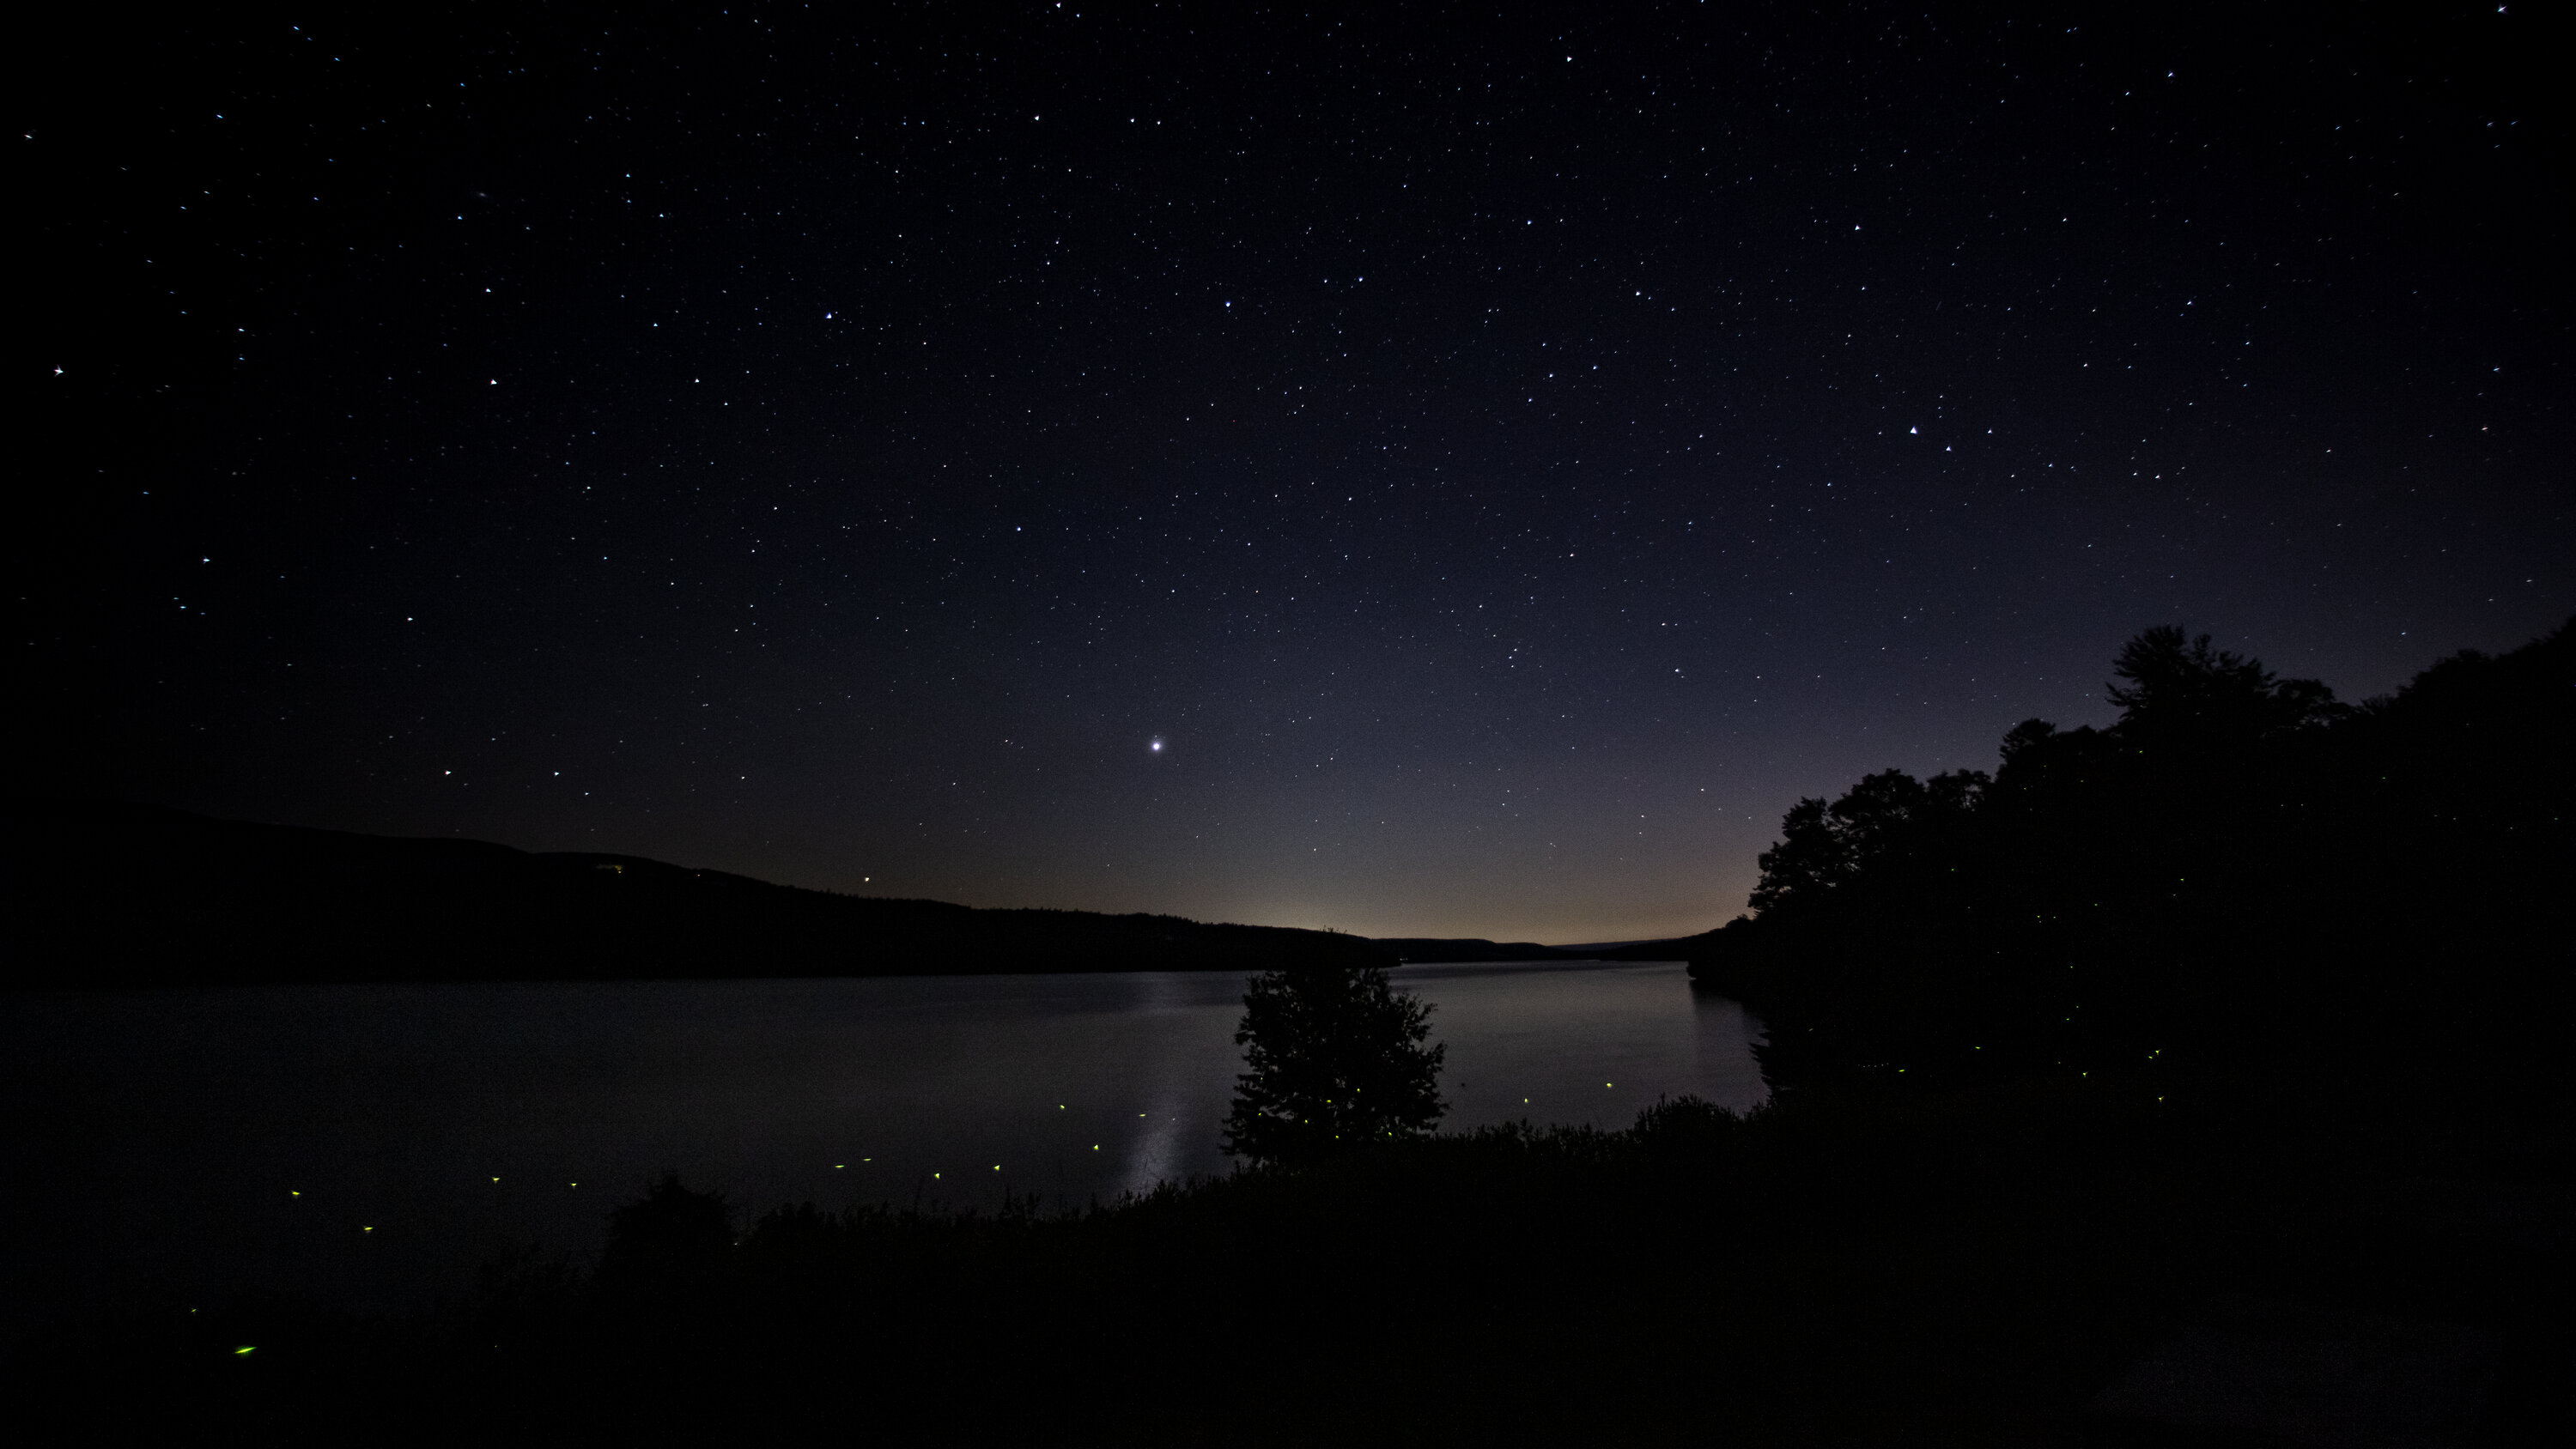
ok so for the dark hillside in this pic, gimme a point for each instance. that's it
(117, 894)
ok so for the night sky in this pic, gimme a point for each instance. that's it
(1418, 472)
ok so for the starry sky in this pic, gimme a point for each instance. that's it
(1414, 470)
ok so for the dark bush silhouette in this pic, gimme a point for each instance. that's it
(1334, 1059)
(671, 1239)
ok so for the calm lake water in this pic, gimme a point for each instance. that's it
(370, 1144)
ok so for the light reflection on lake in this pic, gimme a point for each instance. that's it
(162, 1147)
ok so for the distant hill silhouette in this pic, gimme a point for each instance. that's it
(1442, 950)
(1429, 950)
(112, 894)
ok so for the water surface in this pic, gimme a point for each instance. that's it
(370, 1144)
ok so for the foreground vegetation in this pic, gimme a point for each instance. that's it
(1969, 1268)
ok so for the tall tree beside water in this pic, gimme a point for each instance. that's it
(1333, 1059)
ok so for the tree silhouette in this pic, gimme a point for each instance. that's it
(1887, 817)
(2179, 687)
(1335, 1058)
(673, 1238)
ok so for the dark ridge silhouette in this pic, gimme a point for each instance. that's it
(105, 894)
(2241, 881)
(1429, 950)
(1676, 949)
(1437, 950)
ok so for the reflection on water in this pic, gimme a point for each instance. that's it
(1184, 1011)
(1722, 1038)
(370, 1144)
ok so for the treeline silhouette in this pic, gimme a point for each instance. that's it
(105, 894)
(2241, 882)
(1427, 950)
(1436, 950)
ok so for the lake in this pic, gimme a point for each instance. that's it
(369, 1145)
